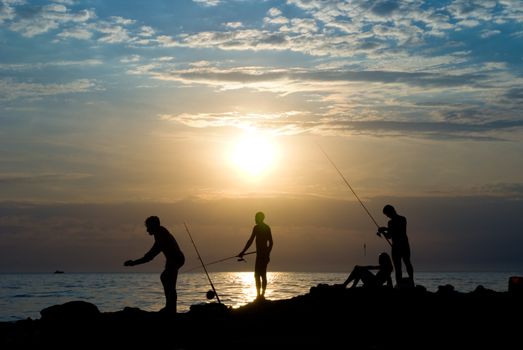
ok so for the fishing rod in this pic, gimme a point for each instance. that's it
(221, 260)
(203, 265)
(354, 192)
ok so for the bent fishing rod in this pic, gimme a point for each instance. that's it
(353, 192)
(221, 260)
(203, 265)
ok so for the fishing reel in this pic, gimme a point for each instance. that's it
(241, 257)
(210, 294)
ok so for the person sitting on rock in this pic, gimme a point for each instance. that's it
(369, 279)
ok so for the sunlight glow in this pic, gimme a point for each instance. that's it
(248, 285)
(254, 154)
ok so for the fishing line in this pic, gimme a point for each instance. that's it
(203, 265)
(354, 192)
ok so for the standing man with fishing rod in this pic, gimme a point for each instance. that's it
(164, 242)
(396, 230)
(264, 243)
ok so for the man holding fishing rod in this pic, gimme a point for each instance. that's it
(396, 230)
(164, 242)
(263, 235)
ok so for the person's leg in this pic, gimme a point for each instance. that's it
(168, 278)
(257, 279)
(263, 275)
(368, 278)
(408, 264)
(258, 272)
(355, 276)
(396, 261)
(351, 277)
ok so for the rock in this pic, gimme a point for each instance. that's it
(70, 311)
(446, 289)
(515, 284)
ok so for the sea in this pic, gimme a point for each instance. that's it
(24, 295)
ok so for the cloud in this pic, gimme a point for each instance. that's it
(478, 10)
(7, 11)
(10, 179)
(340, 29)
(146, 31)
(68, 24)
(11, 90)
(298, 122)
(489, 33)
(67, 2)
(279, 123)
(368, 102)
(306, 4)
(303, 25)
(233, 24)
(244, 39)
(407, 22)
(122, 20)
(515, 94)
(327, 28)
(75, 33)
(276, 20)
(300, 36)
(274, 12)
(113, 34)
(370, 28)
(207, 3)
(47, 18)
(253, 76)
(130, 59)
(435, 130)
(42, 65)
(384, 8)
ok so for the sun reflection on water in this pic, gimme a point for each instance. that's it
(236, 289)
(246, 287)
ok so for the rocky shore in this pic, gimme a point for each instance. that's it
(326, 317)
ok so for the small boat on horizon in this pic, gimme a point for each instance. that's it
(58, 271)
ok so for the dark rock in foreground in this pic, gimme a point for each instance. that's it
(327, 317)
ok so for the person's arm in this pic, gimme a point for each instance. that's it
(385, 231)
(271, 243)
(150, 255)
(389, 282)
(248, 244)
(370, 267)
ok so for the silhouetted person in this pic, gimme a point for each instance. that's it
(164, 242)
(397, 232)
(370, 280)
(263, 235)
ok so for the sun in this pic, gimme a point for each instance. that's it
(254, 154)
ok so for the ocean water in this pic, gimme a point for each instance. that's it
(24, 295)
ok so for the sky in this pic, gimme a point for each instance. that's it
(204, 112)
